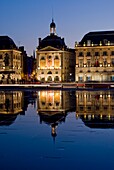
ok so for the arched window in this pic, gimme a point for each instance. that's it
(42, 58)
(49, 72)
(56, 78)
(56, 57)
(49, 57)
(49, 79)
(42, 79)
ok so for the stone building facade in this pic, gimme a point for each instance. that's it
(10, 61)
(55, 62)
(95, 57)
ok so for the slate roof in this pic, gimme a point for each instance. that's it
(6, 43)
(97, 37)
(52, 40)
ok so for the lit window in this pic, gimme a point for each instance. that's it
(88, 54)
(56, 57)
(80, 54)
(42, 58)
(49, 72)
(112, 52)
(104, 53)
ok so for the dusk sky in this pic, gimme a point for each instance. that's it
(27, 20)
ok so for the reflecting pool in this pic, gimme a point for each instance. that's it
(56, 130)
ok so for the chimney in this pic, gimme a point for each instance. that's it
(39, 41)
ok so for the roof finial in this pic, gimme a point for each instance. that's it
(52, 27)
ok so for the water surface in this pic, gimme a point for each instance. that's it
(56, 130)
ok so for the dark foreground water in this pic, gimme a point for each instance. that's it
(57, 130)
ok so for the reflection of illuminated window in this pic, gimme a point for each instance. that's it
(49, 57)
(50, 104)
(57, 103)
(42, 58)
(49, 72)
(56, 57)
(43, 103)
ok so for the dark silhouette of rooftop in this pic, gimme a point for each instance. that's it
(98, 37)
(6, 43)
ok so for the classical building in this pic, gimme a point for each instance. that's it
(11, 103)
(95, 57)
(53, 106)
(55, 62)
(96, 109)
(10, 61)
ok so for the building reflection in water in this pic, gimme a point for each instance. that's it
(13, 103)
(10, 106)
(53, 107)
(95, 108)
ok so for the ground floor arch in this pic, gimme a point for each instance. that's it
(49, 79)
(56, 78)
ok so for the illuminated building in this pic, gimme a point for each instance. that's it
(95, 57)
(55, 62)
(11, 103)
(10, 61)
(95, 108)
(53, 106)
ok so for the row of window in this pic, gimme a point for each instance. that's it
(49, 79)
(49, 58)
(49, 72)
(81, 108)
(50, 104)
(96, 63)
(6, 55)
(104, 53)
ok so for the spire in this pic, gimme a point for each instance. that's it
(52, 27)
(53, 131)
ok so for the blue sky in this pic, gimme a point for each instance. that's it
(27, 20)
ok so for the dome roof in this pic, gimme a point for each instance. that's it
(52, 40)
(6, 43)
